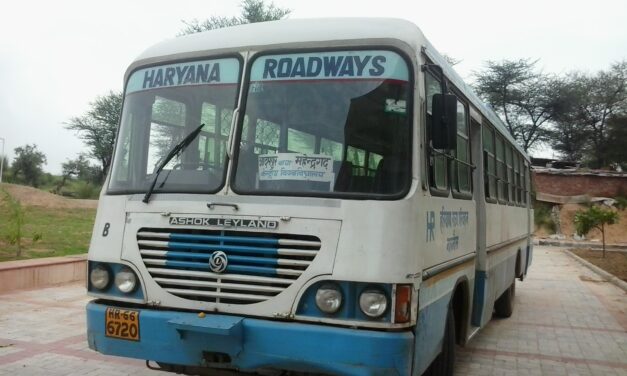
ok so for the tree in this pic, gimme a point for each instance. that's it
(451, 60)
(596, 99)
(252, 11)
(615, 151)
(595, 217)
(27, 165)
(98, 127)
(80, 168)
(523, 97)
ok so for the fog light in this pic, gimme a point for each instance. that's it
(125, 280)
(373, 303)
(329, 298)
(99, 277)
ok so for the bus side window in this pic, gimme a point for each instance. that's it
(500, 168)
(516, 163)
(489, 162)
(461, 169)
(267, 137)
(510, 178)
(437, 163)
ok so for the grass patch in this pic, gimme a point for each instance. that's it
(615, 262)
(48, 232)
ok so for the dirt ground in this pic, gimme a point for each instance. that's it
(614, 234)
(30, 196)
(615, 262)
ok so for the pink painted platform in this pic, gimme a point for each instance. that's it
(43, 272)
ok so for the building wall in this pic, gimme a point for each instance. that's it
(572, 185)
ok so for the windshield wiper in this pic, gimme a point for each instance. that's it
(178, 148)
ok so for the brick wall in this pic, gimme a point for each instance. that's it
(580, 184)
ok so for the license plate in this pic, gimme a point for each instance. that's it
(122, 324)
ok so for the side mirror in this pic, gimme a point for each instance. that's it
(444, 124)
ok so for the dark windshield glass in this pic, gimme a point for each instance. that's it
(326, 123)
(163, 104)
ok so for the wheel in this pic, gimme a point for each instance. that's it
(504, 305)
(444, 364)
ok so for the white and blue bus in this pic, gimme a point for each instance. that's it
(309, 196)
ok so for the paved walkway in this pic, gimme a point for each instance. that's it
(567, 322)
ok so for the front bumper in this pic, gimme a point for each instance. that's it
(183, 338)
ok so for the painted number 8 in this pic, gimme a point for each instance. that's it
(105, 231)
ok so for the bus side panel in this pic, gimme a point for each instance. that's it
(434, 301)
(491, 283)
(503, 223)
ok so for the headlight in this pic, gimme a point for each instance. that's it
(99, 277)
(373, 303)
(125, 280)
(329, 298)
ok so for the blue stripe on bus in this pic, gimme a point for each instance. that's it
(479, 297)
(227, 248)
(235, 259)
(229, 269)
(228, 239)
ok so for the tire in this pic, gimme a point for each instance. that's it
(444, 364)
(504, 305)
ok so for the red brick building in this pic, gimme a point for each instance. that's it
(571, 182)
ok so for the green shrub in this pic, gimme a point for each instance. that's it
(595, 217)
(542, 216)
(16, 222)
(621, 202)
(85, 190)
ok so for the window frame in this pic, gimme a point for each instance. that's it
(490, 195)
(238, 87)
(452, 162)
(340, 195)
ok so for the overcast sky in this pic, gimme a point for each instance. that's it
(57, 56)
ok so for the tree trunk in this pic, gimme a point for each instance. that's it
(603, 237)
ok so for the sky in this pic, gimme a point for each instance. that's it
(57, 56)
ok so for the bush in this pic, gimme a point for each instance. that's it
(16, 222)
(595, 217)
(86, 190)
(621, 202)
(542, 216)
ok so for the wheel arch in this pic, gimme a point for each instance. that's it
(460, 304)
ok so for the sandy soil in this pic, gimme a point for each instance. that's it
(30, 196)
(615, 262)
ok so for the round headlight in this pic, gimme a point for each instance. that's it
(373, 303)
(125, 280)
(99, 277)
(329, 298)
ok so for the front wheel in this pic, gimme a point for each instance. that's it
(444, 364)
(504, 305)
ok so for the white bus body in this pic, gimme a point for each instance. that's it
(309, 227)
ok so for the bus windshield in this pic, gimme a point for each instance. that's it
(326, 123)
(162, 105)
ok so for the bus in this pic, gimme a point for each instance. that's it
(305, 196)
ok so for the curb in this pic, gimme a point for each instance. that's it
(574, 244)
(608, 277)
(43, 272)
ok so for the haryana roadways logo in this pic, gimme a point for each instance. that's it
(218, 262)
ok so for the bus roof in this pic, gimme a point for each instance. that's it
(276, 34)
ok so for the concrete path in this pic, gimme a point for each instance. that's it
(567, 321)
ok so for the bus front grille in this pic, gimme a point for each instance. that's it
(258, 265)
